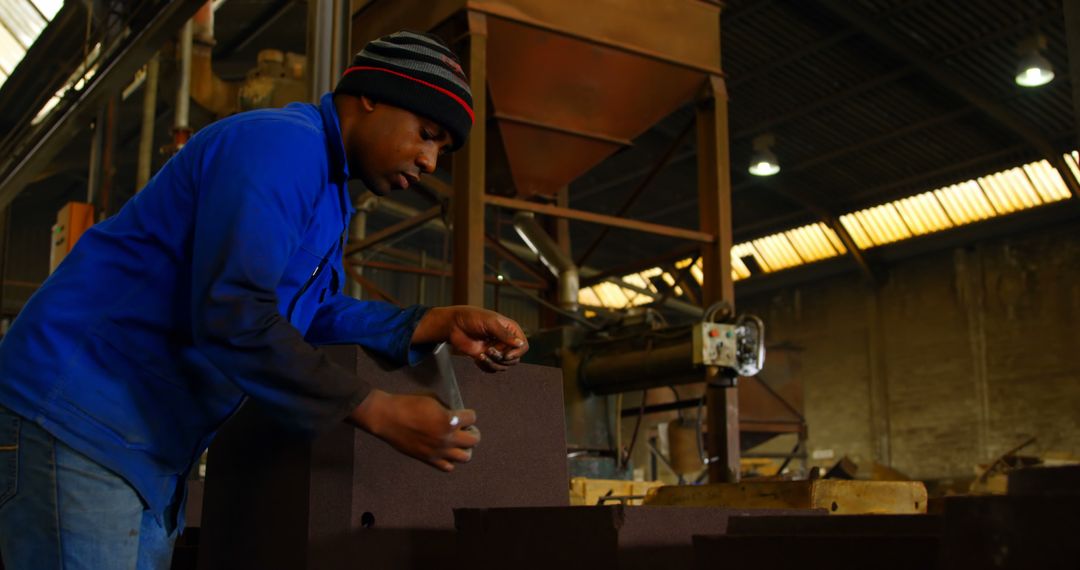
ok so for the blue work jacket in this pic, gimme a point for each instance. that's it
(214, 283)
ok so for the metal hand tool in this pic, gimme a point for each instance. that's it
(451, 390)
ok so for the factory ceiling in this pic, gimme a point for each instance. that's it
(868, 101)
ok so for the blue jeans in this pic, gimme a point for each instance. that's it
(59, 509)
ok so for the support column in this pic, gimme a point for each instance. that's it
(714, 201)
(146, 129)
(102, 170)
(328, 44)
(467, 203)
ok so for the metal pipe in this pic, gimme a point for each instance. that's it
(552, 256)
(181, 126)
(207, 89)
(146, 135)
(329, 24)
(615, 371)
(402, 211)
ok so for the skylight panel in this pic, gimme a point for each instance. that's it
(21, 22)
(855, 230)
(923, 214)
(837, 243)
(1009, 191)
(48, 8)
(588, 297)
(636, 280)
(965, 202)
(684, 263)
(882, 224)
(11, 53)
(1047, 181)
(738, 266)
(610, 295)
(811, 242)
(778, 251)
(698, 275)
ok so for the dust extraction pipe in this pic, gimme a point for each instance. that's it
(552, 256)
(181, 128)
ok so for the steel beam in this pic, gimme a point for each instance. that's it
(440, 273)
(512, 257)
(583, 216)
(664, 300)
(629, 176)
(394, 230)
(958, 86)
(640, 189)
(371, 287)
(639, 265)
(141, 44)
(714, 205)
(467, 202)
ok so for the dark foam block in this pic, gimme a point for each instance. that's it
(590, 538)
(277, 500)
(839, 552)
(1002, 531)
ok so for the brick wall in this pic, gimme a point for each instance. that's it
(959, 356)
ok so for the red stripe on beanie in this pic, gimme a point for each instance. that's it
(460, 101)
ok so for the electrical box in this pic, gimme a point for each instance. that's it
(71, 221)
(715, 345)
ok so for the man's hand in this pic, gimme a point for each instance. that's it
(420, 427)
(493, 341)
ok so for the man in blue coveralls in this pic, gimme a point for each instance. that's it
(216, 283)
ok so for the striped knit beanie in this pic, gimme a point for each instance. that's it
(416, 72)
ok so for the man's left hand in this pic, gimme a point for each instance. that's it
(494, 341)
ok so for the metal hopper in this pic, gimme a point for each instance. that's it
(569, 83)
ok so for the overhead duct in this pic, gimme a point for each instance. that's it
(552, 256)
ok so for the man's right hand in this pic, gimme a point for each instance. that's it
(419, 426)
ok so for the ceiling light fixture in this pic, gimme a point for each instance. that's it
(763, 161)
(1034, 70)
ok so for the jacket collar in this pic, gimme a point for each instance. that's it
(339, 166)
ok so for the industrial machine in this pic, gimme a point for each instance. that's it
(637, 352)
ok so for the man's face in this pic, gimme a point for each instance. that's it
(394, 148)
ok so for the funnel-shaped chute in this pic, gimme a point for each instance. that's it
(570, 82)
(563, 104)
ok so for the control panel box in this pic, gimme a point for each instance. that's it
(715, 344)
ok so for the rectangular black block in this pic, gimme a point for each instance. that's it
(849, 525)
(275, 500)
(850, 552)
(1027, 531)
(592, 538)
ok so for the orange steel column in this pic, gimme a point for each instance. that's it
(714, 200)
(468, 199)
